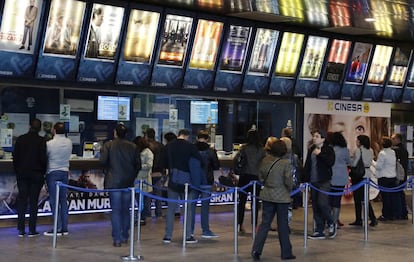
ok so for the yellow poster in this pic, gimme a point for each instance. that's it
(289, 54)
(379, 65)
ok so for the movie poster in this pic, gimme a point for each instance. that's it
(174, 44)
(313, 58)
(358, 68)
(206, 44)
(399, 67)
(289, 54)
(379, 65)
(64, 27)
(141, 35)
(338, 56)
(20, 25)
(233, 54)
(104, 31)
(263, 51)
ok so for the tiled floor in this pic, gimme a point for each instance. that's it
(90, 240)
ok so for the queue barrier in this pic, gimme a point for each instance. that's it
(304, 187)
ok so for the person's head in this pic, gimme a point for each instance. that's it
(287, 132)
(141, 143)
(169, 137)
(386, 142)
(150, 133)
(59, 128)
(318, 137)
(253, 138)
(278, 148)
(270, 140)
(32, 2)
(120, 131)
(203, 136)
(337, 139)
(396, 139)
(97, 16)
(183, 134)
(363, 140)
(35, 125)
(288, 143)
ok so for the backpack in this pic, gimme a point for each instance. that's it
(240, 162)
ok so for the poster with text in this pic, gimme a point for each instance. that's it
(379, 65)
(206, 44)
(337, 59)
(358, 68)
(313, 58)
(263, 51)
(233, 54)
(289, 54)
(141, 35)
(64, 27)
(399, 67)
(104, 31)
(174, 44)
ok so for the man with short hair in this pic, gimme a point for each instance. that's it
(29, 161)
(402, 154)
(122, 161)
(59, 150)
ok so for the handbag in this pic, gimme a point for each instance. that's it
(357, 172)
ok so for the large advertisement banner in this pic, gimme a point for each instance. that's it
(64, 27)
(358, 68)
(351, 118)
(289, 54)
(313, 58)
(233, 55)
(379, 65)
(263, 51)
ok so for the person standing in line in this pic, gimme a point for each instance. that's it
(209, 163)
(30, 16)
(29, 162)
(402, 155)
(122, 161)
(318, 171)
(169, 137)
(59, 150)
(275, 175)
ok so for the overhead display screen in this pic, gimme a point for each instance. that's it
(204, 112)
(206, 43)
(20, 25)
(263, 51)
(141, 35)
(104, 31)
(233, 55)
(289, 53)
(64, 27)
(113, 108)
(399, 67)
(313, 58)
(337, 59)
(358, 68)
(175, 40)
(379, 65)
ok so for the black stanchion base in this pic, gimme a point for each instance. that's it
(132, 258)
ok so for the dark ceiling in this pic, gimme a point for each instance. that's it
(393, 19)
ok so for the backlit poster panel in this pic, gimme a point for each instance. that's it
(206, 43)
(141, 35)
(358, 68)
(399, 67)
(64, 27)
(410, 82)
(379, 65)
(313, 58)
(289, 54)
(263, 51)
(175, 40)
(20, 25)
(337, 59)
(233, 55)
(104, 31)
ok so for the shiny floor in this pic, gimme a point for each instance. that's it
(90, 240)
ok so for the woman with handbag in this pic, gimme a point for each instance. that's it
(365, 151)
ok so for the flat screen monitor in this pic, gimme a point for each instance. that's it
(204, 112)
(113, 108)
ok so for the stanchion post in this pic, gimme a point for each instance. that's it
(305, 214)
(366, 204)
(185, 214)
(412, 202)
(131, 256)
(254, 206)
(236, 239)
(140, 205)
(55, 219)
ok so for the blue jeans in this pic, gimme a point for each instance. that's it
(51, 179)
(120, 219)
(205, 208)
(169, 225)
(320, 206)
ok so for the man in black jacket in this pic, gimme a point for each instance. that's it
(402, 154)
(29, 161)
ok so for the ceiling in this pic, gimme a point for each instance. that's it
(393, 19)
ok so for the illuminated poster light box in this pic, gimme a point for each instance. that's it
(399, 67)
(289, 54)
(263, 51)
(379, 65)
(206, 44)
(337, 59)
(234, 51)
(141, 35)
(64, 27)
(175, 40)
(358, 68)
(313, 59)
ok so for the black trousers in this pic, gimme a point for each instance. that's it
(244, 180)
(29, 189)
(358, 199)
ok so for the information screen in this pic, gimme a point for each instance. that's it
(399, 67)
(358, 68)
(204, 112)
(289, 53)
(113, 108)
(263, 51)
(313, 58)
(234, 51)
(379, 65)
(338, 56)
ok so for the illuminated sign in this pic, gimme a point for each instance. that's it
(313, 58)
(337, 58)
(263, 51)
(379, 65)
(206, 44)
(358, 68)
(234, 50)
(289, 54)
(399, 67)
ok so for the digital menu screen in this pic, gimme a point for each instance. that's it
(20, 25)
(113, 108)
(399, 67)
(358, 68)
(289, 54)
(206, 43)
(338, 55)
(175, 40)
(104, 31)
(234, 50)
(313, 58)
(204, 112)
(141, 35)
(64, 27)
(263, 51)
(379, 65)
